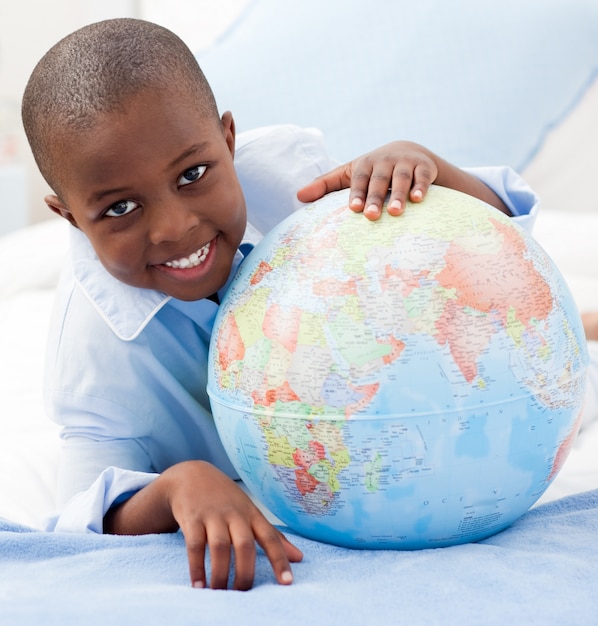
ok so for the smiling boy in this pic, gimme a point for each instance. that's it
(126, 132)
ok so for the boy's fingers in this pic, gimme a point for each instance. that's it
(417, 193)
(359, 184)
(245, 554)
(293, 553)
(219, 543)
(276, 547)
(422, 179)
(312, 191)
(338, 178)
(407, 185)
(402, 181)
(377, 191)
(196, 555)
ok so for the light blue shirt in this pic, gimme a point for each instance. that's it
(127, 367)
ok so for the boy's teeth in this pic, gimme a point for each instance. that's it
(193, 260)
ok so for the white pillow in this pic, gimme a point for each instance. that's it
(563, 173)
(29, 443)
(32, 257)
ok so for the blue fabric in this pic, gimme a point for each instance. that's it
(543, 570)
(480, 83)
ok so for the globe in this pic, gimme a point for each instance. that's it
(408, 383)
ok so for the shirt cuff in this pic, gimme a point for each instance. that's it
(84, 512)
(510, 187)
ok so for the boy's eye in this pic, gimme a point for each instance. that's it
(121, 208)
(192, 174)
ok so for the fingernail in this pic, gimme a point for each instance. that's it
(417, 194)
(286, 578)
(371, 209)
(198, 584)
(356, 202)
(396, 204)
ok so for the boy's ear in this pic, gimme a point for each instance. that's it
(229, 131)
(56, 205)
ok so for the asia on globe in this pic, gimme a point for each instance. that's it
(412, 382)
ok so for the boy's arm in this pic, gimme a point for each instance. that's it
(407, 169)
(213, 513)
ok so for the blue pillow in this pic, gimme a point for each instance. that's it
(478, 82)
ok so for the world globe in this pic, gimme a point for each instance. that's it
(412, 382)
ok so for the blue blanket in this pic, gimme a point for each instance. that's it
(542, 570)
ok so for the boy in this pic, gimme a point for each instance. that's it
(125, 130)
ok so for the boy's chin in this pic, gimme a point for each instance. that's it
(191, 294)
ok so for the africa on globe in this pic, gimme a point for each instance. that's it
(411, 382)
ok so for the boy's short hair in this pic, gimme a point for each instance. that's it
(94, 70)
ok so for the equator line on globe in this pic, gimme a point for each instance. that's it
(406, 383)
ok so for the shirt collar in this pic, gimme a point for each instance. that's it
(126, 310)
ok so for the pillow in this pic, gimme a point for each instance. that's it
(570, 240)
(563, 171)
(32, 257)
(29, 442)
(287, 157)
(31, 260)
(479, 83)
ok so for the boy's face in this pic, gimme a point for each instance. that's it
(154, 189)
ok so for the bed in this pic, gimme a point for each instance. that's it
(511, 83)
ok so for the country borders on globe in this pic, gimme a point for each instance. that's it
(406, 383)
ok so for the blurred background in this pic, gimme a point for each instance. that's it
(477, 81)
(28, 29)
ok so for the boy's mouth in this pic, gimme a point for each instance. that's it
(193, 260)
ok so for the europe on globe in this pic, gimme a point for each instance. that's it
(411, 382)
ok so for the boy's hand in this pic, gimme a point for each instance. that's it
(590, 325)
(405, 168)
(213, 513)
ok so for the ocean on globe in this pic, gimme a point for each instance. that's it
(412, 382)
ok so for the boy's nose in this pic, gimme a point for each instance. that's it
(171, 221)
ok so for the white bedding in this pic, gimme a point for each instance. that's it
(28, 441)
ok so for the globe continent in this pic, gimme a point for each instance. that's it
(407, 383)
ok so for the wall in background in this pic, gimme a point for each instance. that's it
(29, 29)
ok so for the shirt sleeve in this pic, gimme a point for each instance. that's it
(92, 477)
(272, 164)
(139, 405)
(82, 460)
(513, 191)
(85, 511)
